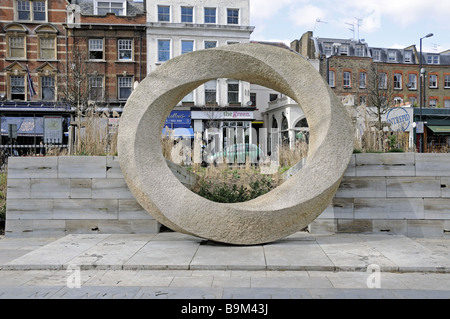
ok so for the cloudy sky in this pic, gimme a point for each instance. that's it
(383, 23)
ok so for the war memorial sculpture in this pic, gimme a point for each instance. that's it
(275, 215)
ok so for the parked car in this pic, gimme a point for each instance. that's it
(237, 154)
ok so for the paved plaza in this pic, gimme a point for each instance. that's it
(177, 266)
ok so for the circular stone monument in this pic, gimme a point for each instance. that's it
(275, 215)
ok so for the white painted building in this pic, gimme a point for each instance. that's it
(285, 118)
(175, 27)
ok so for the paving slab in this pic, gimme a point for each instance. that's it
(407, 254)
(175, 251)
(349, 252)
(163, 255)
(56, 254)
(110, 253)
(225, 257)
(292, 255)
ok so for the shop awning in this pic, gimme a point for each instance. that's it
(26, 126)
(180, 132)
(440, 130)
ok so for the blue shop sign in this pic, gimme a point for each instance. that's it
(179, 119)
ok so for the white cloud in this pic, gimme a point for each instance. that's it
(265, 9)
(306, 16)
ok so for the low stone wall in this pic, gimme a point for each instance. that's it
(404, 193)
(53, 196)
(395, 193)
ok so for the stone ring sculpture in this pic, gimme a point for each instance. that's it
(275, 215)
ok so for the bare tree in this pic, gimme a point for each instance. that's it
(79, 90)
(380, 91)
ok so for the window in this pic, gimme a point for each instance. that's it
(433, 102)
(110, 7)
(47, 48)
(23, 10)
(433, 59)
(39, 11)
(210, 15)
(125, 84)
(95, 49)
(96, 87)
(433, 81)
(362, 80)
(17, 47)
(273, 97)
(164, 13)
(211, 92)
(382, 81)
(398, 100)
(359, 50)
(413, 100)
(327, 49)
(187, 14)
(377, 55)
(125, 49)
(233, 91)
(447, 81)
(253, 99)
(187, 46)
(48, 88)
(344, 49)
(233, 16)
(362, 100)
(392, 56)
(408, 57)
(347, 80)
(17, 84)
(447, 103)
(412, 84)
(397, 81)
(332, 79)
(31, 11)
(163, 50)
(210, 44)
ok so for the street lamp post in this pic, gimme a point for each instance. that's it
(421, 89)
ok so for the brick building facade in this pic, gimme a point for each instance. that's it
(112, 44)
(32, 47)
(39, 40)
(352, 69)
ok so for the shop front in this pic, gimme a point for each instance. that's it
(436, 129)
(222, 124)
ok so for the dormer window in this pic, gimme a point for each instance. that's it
(433, 59)
(327, 49)
(359, 50)
(376, 55)
(344, 49)
(392, 56)
(408, 57)
(118, 7)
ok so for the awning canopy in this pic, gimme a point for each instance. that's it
(26, 126)
(440, 130)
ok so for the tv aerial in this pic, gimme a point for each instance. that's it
(318, 20)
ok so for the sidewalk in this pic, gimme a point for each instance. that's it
(178, 266)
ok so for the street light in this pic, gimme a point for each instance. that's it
(421, 88)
